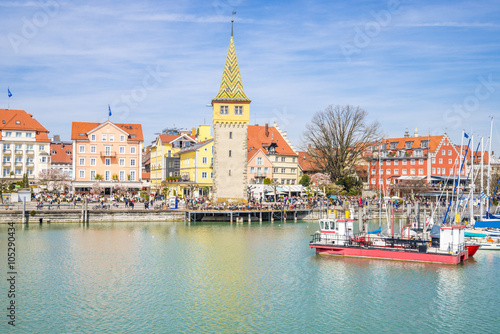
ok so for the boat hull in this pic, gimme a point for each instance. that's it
(472, 249)
(391, 254)
(489, 246)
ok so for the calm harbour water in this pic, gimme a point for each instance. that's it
(239, 278)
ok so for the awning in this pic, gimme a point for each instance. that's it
(412, 177)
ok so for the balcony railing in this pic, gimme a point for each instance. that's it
(18, 152)
(30, 164)
(7, 163)
(108, 154)
(30, 152)
(18, 163)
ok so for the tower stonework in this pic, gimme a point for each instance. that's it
(231, 114)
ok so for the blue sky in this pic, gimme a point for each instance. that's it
(417, 64)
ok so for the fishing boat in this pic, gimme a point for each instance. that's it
(336, 237)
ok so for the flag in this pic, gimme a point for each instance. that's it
(8, 92)
(483, 195)
(109, 108)
(466, 135)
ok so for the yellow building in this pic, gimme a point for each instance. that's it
(163, 162)
(196, 172)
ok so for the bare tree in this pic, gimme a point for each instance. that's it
(338, 136)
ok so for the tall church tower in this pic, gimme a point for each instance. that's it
(231, 114)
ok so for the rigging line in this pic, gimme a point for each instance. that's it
(456, 182)
(442, 190)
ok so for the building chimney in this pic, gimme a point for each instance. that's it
(267, 130)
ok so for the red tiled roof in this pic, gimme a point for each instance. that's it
(79, 130)
(306, 163)
(477, 154)
(417, 142)
(59, 155)
(257, 139)
(20, 120)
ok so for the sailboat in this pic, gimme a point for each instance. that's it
(489, 220)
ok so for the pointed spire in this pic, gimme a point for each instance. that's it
(231, 87)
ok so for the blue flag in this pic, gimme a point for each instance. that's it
(109, 108)
(466, 135)
(8, 92)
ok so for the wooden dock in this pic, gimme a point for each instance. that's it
(246, 215)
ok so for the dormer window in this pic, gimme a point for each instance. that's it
(408, 144)
(224, 110)
(394, 145)
(424, 143)
(18, 122)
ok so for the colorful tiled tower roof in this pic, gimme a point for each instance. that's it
(231, 87)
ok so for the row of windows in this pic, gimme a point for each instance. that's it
(18, 134)
(108, 176)
(19, 147)
(238, 110)
(450, 161)
(204, 160)
(283, 159)
(435, 171)
(93, 149)
(17, 171)
(404, 162)
(259, 170)
(105, 137)
(6, 158)
(283, 170)
(107, 162)
(413, 161)
(381, 181)
(285, 181)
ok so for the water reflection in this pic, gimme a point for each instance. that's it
(168, 277)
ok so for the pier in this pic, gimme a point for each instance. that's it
(236, 216)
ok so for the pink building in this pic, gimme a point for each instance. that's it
(259, 167)
(110, 150)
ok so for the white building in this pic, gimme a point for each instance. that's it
(25, 144)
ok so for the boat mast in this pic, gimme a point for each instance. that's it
(379, 185)
(482, 180)
(459, 173)
(472, 184)
(489, 158)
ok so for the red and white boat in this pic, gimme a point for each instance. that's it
(336, 237)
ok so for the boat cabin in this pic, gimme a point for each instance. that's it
(341, 229)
